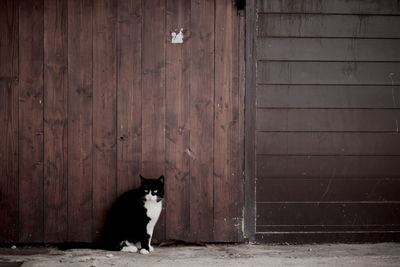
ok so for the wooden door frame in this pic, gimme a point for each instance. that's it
(250, 97)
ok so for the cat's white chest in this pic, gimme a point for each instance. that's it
(153, 212)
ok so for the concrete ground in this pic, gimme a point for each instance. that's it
(365, 255)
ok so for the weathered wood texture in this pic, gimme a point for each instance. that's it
(327, 117)
(31, 121)
(129, 94)
(201, 149)
(341, 189)
(250, 112)
(55, 121)
(93, 93)
(104, 111)
(9, 122)
(80, 120)
(386, 7)
(226, 123)
(330, 26)
(177, 135)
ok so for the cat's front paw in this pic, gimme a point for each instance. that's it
(151, 248)
(129, 249)
(144, 251)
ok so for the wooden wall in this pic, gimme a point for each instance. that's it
(92, 93)
(327, 112)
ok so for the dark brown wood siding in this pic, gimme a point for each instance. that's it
(327, 113)
(92, 93)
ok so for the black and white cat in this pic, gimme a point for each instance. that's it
(132, 218)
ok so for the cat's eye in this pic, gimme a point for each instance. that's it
(146, 191)
(155, 191)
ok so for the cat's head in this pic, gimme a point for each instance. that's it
(152, 189)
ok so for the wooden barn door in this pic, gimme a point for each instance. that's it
(323, 125)
(93, 92)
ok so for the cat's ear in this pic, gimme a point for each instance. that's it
(161, 178)
(142, 179)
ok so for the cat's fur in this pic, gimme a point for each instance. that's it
(132, 218)
(240, 4)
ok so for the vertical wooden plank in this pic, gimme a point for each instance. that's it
(80, 92)
(241, 137)
(249, 226)
(55, 120)
(9, 121)
(129, 95)
(104, 111)
(177, 123)
(153, 95)
(201, 120)
(31, 120)
(153, 88)
(226, 123)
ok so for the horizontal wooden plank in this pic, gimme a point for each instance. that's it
(328, 96)
(339, 120)
(327, 237)
(317, 143)
(350, 189)
(329, 6)
(348, 73)
(328, 49)
(327, 166)
(317, 25)
(327, 228)
(380, 213)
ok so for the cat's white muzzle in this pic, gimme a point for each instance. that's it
(150, 197)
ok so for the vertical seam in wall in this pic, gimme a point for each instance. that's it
(141, 87)
(116, 62)
(116, 42)
(165, 107)
(140, 130)
(214, 115)
(67, 120)
(43, 117)
(242, 85)
(189, 110)
(92, 122)
(254, 166)
(237, 87)
(18, 124)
